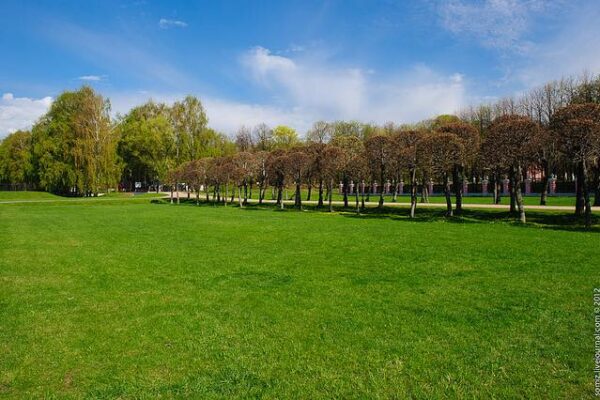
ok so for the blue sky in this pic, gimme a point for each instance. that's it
(290, 62)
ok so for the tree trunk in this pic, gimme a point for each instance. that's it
(240, 197)
(546, 173)
(330, 195)
(519, 193)
(413, 191)
(245, 192)
(580, 200)
(171, 194)
(198, 196)
(448, 193)
(457, 182)
(309, 191)
(279, 196)
(586, 196)
(177, 191)
(512, 190)
(597, 184)
(298, 197)
(362, 196)
(320, 202)
(345, 191)
(357, 202)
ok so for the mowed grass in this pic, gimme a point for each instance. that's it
(137, 300)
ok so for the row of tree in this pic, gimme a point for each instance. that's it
(77, 149)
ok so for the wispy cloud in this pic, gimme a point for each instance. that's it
(113, 52)
(91, 78)
(501, 24)
(20, 112)
(164, 23)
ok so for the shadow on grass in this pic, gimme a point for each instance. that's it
(555, 220)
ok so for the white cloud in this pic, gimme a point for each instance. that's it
(92, 78)
(496, 23)
(20, 112)
(317, 89)
(164, 23)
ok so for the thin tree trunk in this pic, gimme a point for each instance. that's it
(309, 191)
(413, 191)
(512, 190)
(345, 191)
(171, 194)
(597, 184)
(330, 195)
(320, 202)
(177, 191)
(362, 196)
(586, 196)
(519, 193)
(198, 196)
(457, 181)
(546, 173)
(580, 200)
(448, 193)
(279, 196)
(357, 202)
(240, 197)
(298, 197)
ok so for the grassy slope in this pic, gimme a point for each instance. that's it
(140, 300)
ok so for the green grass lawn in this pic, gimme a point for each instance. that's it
(130, 299)
(24, 195)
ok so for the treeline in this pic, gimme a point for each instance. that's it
(77, 149)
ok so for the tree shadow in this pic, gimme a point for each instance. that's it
(555, 220)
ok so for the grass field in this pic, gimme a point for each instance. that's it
(137, 300)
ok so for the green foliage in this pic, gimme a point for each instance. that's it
(284, 137)
(74, 146)
(15, 158)
(147, 143)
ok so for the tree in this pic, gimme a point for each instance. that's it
(378, 154)
(314, 171)
(352, 148)
(243, 139)
(438, 154)
(15, 158)
(469, 137)
(298, 164)
(278, 166)
(332, 161)
(263, 137)
(512, 138)
(146, 144)
(405, 147)
(246, 165)
(576, 129)
(284, 137)
(320, 132)
(189, 123)
(74, 148)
